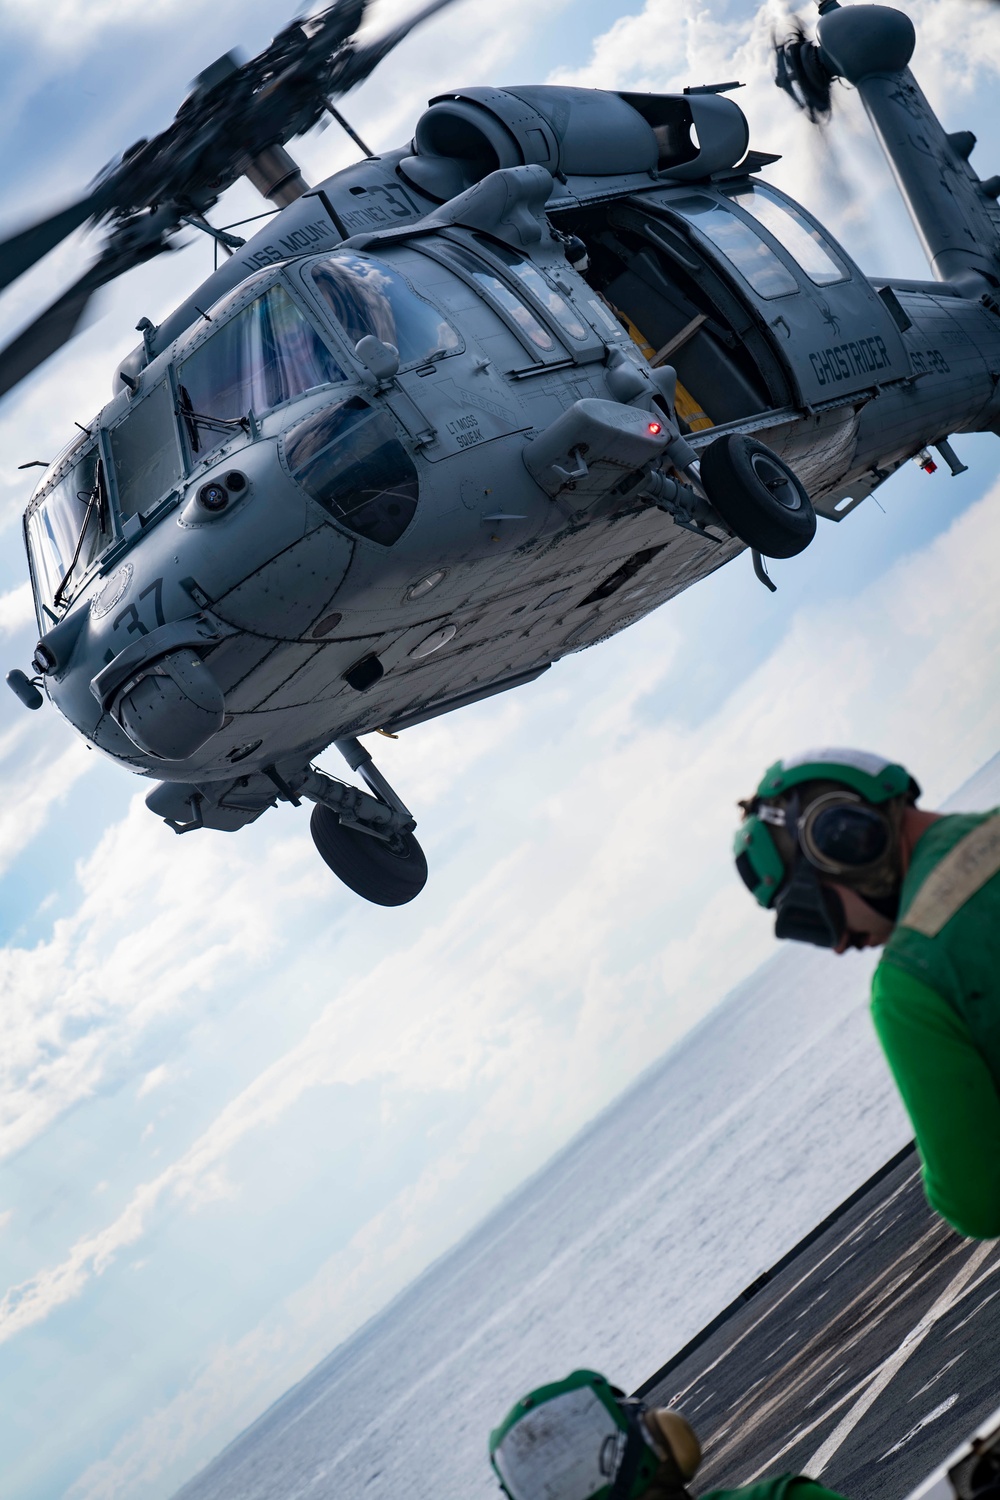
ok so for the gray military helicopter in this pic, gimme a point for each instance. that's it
(467, 406)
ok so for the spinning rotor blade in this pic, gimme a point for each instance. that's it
(47, 334)
(21, 251)
(233, 118)
(59, 322)
(44, 336)
(362, 61)
(801, 74)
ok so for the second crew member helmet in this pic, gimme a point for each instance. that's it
(582, 1439)
(825, 816)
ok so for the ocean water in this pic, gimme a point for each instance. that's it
(702, 1174)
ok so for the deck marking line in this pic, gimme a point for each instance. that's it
(932, 1416)
(943, 1371)
(842, 1400)
(803, 1378)
(872, 1214)
(891, 1367)
(804, 1432)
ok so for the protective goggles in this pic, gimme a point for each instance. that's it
(839, 836)
(842, 835)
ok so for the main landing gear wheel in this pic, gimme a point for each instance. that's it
(758, 496)
(365, 863)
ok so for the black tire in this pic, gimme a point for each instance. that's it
(758, 496)
(367, 865)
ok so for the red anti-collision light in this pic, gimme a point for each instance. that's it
(655, 429)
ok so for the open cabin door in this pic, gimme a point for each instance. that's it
(748, 299)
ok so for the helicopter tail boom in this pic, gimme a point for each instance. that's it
(955, 214)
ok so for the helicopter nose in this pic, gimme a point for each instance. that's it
(172, 708)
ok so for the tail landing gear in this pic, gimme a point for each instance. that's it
(367, 841)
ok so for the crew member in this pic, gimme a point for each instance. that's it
(581, 1438)
(834, 843)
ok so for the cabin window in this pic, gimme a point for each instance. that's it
(801, 239)
(368, 298)
(739, 243)
(266, 355)
(348, 458)
(71, 519)
(145, 453)
(531, 277)
(516, 311)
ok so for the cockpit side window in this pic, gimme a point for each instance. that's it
(71, 520)
(265, 355)
(516, 311)
(539, 286)
(367, 297)
(802, 240)
(349, 459)
(739, 243)
(145, 452)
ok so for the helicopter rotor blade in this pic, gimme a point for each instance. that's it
(234, 112)
(55, 327)
(360, 62)
(59, 322)
(801, 73)
(19, 253)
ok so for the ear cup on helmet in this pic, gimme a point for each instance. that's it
(676, 1437)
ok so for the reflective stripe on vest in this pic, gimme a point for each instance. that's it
(959, 875)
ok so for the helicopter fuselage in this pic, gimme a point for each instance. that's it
(310, 503)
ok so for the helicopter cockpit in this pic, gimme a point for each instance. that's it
(369, 299)
(256, 351)
(68, 525)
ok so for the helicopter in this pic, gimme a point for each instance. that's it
(467, 406)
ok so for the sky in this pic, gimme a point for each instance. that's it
(239, 1108)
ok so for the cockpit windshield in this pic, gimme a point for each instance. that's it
(267, 354)
(70, 521)
(368, 298)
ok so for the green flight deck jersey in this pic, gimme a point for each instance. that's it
(936, 1009)
(783, 1487)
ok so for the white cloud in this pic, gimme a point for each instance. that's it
(154, 1079)
(151, 934)
(16, 609)
(39, 766)
(65, 25)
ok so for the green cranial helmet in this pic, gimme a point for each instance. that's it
(828, 813)
(577, 1439)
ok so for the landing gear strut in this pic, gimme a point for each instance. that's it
(367, 841)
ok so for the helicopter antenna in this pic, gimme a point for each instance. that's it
(349, 129)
